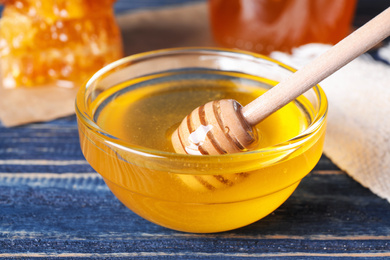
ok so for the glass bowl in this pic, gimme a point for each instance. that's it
(190, 193)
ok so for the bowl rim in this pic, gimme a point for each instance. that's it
(87, 120)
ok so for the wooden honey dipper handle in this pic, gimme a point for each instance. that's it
(224, 126)
(339, 55)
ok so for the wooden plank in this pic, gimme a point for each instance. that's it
(329, 215)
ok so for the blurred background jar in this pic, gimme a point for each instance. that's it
(264, 26)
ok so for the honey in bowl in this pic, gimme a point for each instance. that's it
(56, 42)
(146, 116)
(126, 122)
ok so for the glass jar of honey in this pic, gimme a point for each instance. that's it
(56, 42)
(264, 26)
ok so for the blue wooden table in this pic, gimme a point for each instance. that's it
(53, 204)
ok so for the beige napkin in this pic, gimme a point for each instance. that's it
(358, 132)
(147, 30)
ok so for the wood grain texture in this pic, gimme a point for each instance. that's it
(52, 204)
(320, 219)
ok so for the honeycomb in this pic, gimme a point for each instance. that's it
(57, 42)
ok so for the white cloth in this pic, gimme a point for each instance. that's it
(358, 132)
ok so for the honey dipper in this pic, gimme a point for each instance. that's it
(224, 126)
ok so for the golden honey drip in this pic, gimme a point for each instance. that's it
(58, 42)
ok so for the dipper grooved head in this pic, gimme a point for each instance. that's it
(217, 127)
